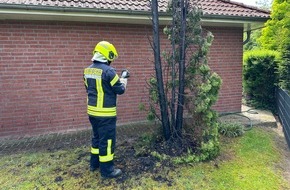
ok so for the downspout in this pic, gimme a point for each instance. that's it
(248, 37)
(249, 34)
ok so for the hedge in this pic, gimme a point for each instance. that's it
(260, 77)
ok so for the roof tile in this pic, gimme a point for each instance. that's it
(210, 7)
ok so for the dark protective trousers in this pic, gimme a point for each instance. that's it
(103, 143)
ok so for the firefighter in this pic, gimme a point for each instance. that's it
(102, 86)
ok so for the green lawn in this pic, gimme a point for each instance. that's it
(246, 163)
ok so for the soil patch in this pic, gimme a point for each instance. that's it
(134, 164)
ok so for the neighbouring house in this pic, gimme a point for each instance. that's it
(46, 44)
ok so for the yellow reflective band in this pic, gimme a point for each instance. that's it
(115, 79)
(109, 156)
(100, 114)
(94, 150)
(105, 112)
(109, 147)
(100, 101)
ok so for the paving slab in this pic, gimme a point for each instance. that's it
(251, 117)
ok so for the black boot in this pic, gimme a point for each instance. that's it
(108, 170)
(94, 162)
(113, 174)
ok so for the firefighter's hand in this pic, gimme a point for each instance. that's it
(124, 81)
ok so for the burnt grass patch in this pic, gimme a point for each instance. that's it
(135, 157)
(133, 165)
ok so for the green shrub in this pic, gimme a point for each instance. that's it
(260, 77)
(231, 129)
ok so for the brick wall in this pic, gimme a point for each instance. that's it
(41, 66)
(226, 55)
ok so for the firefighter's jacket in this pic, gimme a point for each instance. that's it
(102, 85)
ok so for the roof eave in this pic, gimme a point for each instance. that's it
(248, 23)
(69, 9)
(41, 12)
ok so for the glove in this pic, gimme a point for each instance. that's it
(124, 81)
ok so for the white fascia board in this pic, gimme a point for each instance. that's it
(7, 14)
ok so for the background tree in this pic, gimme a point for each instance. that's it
(276, 30)
(255, 34)
(275, 36)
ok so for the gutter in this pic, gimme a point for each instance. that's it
(70, 9)
(237, 18)
(36, 12)
(127, 16)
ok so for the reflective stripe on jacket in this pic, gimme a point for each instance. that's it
(102, 85)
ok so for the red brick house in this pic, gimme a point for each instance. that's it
(45, 45)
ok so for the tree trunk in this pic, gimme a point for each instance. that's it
(173, 74)
(179, 114)
(158, 69)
